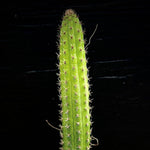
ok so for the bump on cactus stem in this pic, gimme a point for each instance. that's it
(73, 82)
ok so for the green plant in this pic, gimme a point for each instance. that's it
(74, 86)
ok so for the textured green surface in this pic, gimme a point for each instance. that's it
(74, 87)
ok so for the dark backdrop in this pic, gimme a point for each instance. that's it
(119, 69)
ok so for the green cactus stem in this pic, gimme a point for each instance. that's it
(74, 86)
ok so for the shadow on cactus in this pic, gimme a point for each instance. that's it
(75, 113)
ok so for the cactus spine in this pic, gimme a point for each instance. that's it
(74, 87)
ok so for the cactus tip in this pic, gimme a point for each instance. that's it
(69, 12)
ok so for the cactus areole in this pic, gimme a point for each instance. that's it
(74, 86)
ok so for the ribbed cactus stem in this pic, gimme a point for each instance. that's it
(74, 86)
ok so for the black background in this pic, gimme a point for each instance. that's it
(119, 69)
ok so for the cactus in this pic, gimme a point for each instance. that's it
(74, 85)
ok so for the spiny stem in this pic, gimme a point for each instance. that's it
(74, 86)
